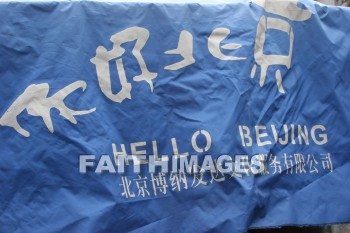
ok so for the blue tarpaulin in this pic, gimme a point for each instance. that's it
(84, 83)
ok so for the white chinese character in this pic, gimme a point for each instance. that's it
(327, 162)
(264, 158)
(34, 99)
(288, 163)
(126, 187)
(141, 183)
(198, 176)
(289, 10)
(276, 164)
(214, 44)
(299, 163)
(103, 57)
(176, 179)
(185, 49)
(217, 176)
(311, 160)
(159, 183)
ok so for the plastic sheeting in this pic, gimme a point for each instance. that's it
(249, 78)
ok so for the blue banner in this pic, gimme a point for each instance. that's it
(173, 116)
